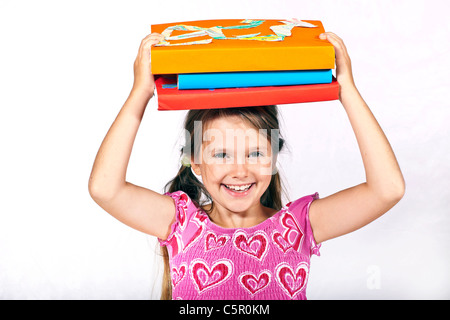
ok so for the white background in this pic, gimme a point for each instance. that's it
(65, 71)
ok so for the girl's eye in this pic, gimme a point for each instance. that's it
(220, 155)
(255, 154)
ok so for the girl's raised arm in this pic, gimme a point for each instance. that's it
(353, 208)
(137, 207)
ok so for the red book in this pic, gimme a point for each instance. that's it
(170, 98)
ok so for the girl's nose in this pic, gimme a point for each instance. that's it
(240, 170)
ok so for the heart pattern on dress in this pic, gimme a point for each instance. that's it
(214, 242)
(194, 238)
(206, 277)
(255, 246)
(280, 241)
(292, 235)
(292, 282)
(253, 283)
(178, 274)
(198, 220)
(183, 207)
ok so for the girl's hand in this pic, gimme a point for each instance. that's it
(344, 73)
(143, 78)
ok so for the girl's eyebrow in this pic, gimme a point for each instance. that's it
(219, 149)
(250, 150)
(257, 147)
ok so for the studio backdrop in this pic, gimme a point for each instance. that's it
(66, 69)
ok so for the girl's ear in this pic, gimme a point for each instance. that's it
(196, 168)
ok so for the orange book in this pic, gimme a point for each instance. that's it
(240, 45)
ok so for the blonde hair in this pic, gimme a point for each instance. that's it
(261, 117)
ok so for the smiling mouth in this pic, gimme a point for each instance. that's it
(240, 188)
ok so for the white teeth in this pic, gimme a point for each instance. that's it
(239, 188)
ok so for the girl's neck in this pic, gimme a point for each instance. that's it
(227, 219)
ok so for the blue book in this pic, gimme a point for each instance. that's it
(252, 79)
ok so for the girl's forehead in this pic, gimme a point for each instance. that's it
(229, 129)
(234, 134)
(228, 122)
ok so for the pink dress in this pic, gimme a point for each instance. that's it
(269, 261)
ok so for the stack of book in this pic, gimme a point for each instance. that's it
(236, 63)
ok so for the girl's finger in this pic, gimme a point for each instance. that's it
(148, 42)
(343, 62)
(341, 50)
(153, 37)
(334, 39)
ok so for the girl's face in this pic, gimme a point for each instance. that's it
(235, 164)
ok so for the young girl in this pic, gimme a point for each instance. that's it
(224, 231)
